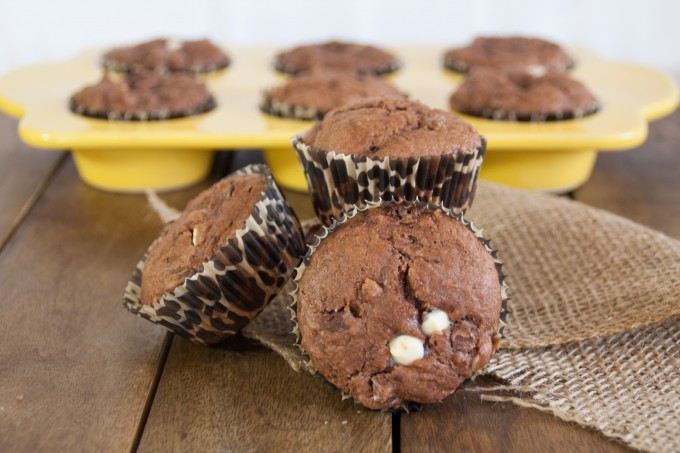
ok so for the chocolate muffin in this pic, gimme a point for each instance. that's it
(311, 95)
(337, 56)
(521, 96)
(389, 148)
(211, 271)
(167, 55)
(413, 307)
(143, 97)
(511, 51)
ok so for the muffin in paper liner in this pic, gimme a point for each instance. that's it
(292, 298)
(338, 181)
(520, 95)
(112, 60)
(231, 288)
(143, 97)
(310, 96)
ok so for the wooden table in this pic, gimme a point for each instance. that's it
(78, 373)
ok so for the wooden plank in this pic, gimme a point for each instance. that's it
(642, 184)
(466, 423)
(75, 368)
(251, 400)
(23, 171)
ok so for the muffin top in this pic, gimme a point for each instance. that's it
(166, 55)
(322, 91)
(206, 224)
(143, 93)
(399, 272)
(335, 55)
(521, 94)
(392, 127)
(512, 51)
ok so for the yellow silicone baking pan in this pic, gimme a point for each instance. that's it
(165, 155)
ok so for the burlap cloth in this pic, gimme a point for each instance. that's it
(594, 333)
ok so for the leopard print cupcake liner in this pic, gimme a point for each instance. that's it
(117, 66)
(290, 111)
(337, 181)
(352, 212)
(504, 115)
(462, 67)
(292, 70)
(142, 115)
(234, 285)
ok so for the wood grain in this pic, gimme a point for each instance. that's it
(642, 184)
(466, 423)
(23, 171)
(75, 367)
(251, 400)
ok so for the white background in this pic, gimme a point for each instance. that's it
(646, 32)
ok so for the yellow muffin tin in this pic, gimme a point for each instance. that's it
(132, 156)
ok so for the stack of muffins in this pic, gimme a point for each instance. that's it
(399, 299)
(155, 80)
(517, 79)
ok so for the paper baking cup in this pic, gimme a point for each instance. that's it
(118, 66)
(337, 181)
(504, 115)
(462, 67)
(291, 111)
(236, 283)
(353, 212)
(141, 115)
(292, 70)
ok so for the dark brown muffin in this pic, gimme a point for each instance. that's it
(392, 127)
(389, 148)
(167, 55)
(520, 96)
(217, 266)
(143, 96)
(399, 304)
(337, 56)
(310, 96)
(207, 223)
(512, 51)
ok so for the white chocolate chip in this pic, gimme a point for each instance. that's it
(434, 322)
(536, 70)
(173, 44)
(194, 237)
(406, 349)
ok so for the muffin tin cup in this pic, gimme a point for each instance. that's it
(352, 212)
(338, 182)
(237, 282)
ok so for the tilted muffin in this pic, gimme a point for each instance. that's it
(167, 55)
(511, 51)
(338, 56)
(143, 97)
(211, 271)
(389, 148)
(310, 96)
(521, 96)
(413, 307)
